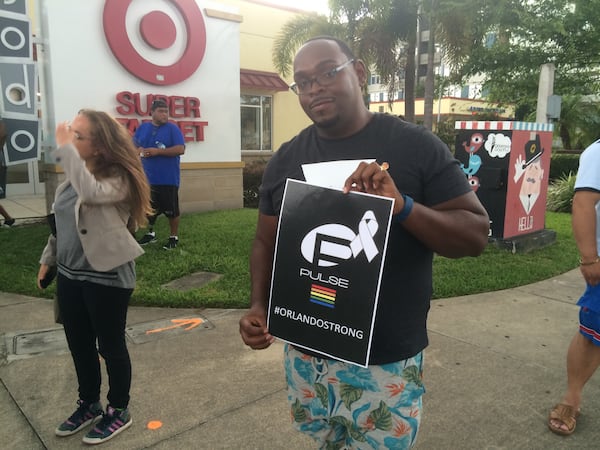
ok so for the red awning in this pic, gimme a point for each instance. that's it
(256, 79)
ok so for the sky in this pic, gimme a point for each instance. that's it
(310, 5)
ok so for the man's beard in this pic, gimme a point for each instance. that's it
(327, 124)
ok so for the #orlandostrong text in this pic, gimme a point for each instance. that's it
(319, 323)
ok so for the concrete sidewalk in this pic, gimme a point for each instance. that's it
(495, 365)
(25, 208)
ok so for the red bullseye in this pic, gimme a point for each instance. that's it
(115, 30)
(158, 30)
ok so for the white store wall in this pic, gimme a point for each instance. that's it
(80, 70)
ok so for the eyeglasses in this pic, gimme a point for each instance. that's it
(79, 137)
(302, 86)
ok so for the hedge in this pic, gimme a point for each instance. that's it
(252, 176)
(562, 164)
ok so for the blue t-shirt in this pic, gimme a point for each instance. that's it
(160, 170)
(588, 178)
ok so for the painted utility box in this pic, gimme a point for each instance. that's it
(507, 165)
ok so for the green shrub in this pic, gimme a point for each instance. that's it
(253, 172)
(562, 164)
(447, 133)
(560, 193)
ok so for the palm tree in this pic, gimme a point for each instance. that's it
(380, 32)
(430, 77)
(389, 35)
(459, 26)
(579, 122)
(294, 33)
(452, 27)
(384, 34)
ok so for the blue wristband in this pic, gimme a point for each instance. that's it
(406, 210)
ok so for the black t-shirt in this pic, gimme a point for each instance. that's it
(423, 168)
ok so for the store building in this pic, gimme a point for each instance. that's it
(210, 60)
(444, 109)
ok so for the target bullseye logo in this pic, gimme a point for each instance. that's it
(158, 20)
(158, 31)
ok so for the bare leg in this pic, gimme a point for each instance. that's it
(583, 358)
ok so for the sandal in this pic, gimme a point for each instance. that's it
(566, 415)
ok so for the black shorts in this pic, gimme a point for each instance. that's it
(165, 200)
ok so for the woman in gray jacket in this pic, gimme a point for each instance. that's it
(103, 199)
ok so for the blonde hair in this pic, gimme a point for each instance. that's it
(118, 156)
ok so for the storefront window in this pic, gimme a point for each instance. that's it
(256, 122)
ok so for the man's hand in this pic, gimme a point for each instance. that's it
(150, 151)
(374, 179)
(591, 273)
(254, 332)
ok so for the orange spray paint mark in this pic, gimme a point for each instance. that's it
(154, 425)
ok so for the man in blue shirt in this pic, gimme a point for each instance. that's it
(160, 144)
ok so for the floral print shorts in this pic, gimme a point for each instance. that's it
(345, 406)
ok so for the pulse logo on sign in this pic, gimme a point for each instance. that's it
(327, 269)
(160, 39)
(328, 245)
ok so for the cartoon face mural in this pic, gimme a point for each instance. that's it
(506, 165)
(530, 172)
(474, 162)
(483, 156)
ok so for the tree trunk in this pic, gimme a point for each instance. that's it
(410, 73)
(430, 77)
(565, 136)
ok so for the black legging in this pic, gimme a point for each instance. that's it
(93, 311)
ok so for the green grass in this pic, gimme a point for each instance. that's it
(220, 242)
(499, 269)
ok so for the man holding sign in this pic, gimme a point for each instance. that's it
(435, 211)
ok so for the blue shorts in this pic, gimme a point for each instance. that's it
(589, 314)
(342, 405)
(589, 325)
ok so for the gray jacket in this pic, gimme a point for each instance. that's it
(101, 214)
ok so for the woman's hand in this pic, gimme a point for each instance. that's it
(64, 134)
(44, 268)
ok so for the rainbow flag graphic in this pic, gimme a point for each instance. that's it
(322, 296)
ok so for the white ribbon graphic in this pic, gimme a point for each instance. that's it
(367, 228)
